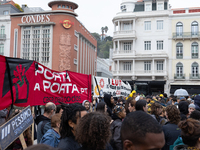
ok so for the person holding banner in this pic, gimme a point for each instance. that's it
(52, 136)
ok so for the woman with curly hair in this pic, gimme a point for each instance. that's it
(93, 131)
(156, 111)
(171, 129)
(190, 133)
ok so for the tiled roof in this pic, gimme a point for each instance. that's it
(10, 2)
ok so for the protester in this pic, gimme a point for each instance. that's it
(93, 132)
(197, 102)
(156, 111)
(140, 131)
(195, 115)
(52, 136)
(170, 100)
(191, 108)
(109, 100)
(3, 115)
(41, 147)
(118, 114)
(44, 121)
(141, 105)
(86, 104)
(69, 120)
(59, 110)
(170, 129)
(102, 108)
(130, 105)
(190, 133)
(183, 107)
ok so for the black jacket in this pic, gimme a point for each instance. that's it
(68, 143)
(41, 118)
(116, 142)
(108, 147)
(108, 103)
(171, 132)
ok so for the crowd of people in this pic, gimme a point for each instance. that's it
(136, 122)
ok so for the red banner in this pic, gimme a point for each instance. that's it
(34, 84)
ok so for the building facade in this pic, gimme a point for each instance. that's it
(141, 47)
(185, 50)
(6, 7)
(103, 68)
(55, 38)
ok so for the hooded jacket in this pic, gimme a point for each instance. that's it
(183, 107)
(44, 124)
(108, 103)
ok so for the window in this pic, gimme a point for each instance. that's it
(147, 66)
(1, 49)
(179, 29)
(179, 50)
(159, 24)
(124, 10)
(63, 6)
(160, 6)
(147, 25)
(36, 43)
(159, 45)
(179, 70)
(6, 12)
(127, 46)
(195, 28)
(59, 6)
(2, 30)
(71, 7)
(195, 70)
(67, 6)
(127, 26)
(160, 65)
(148, 7)
(127, 66)
(195, 50)
(147, 45)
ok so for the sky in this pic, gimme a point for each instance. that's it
(95, 14)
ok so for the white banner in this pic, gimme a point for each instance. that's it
(115, 87)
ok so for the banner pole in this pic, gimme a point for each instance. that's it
(22, 140)
(33, 113)
(97, 87)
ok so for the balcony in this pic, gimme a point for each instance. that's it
(2, 36)
(195, 55)
(179, 76)
(194, 76)
(179, 56)
(141, 72)
(123, 51)
(186, 35)
(124, 34)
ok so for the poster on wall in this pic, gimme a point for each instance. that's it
(115, 87)
(26, 82)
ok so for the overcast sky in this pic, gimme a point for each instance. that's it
(95, 14)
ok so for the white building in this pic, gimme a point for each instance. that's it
(141, 46)
(5, 25)
(103, 68)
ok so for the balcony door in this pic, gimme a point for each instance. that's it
(179, 29)
(179, 70)
(195, 28)
(195, 70)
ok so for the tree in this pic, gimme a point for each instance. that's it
(18, 7)
(96, 36)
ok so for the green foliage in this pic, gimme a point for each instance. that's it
(103, 47)
(18, 7)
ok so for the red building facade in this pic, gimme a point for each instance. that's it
(54, 38)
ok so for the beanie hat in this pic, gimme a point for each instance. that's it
(192, 106)
(117, 109)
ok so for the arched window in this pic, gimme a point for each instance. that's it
(179, 29)
(2, 31)
(179, 70)
(179, 50)
(195, 50)
(195, 70)
(195, 28)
